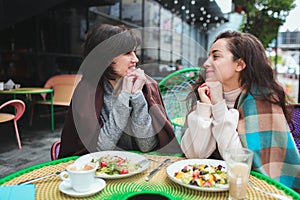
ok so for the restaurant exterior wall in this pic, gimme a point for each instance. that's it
(44, 45)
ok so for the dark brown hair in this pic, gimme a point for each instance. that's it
(257, 78)
(114, 40)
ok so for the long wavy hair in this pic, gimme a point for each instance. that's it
(257, 78)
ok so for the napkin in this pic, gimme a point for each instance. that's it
(9, 85)
(13, 192)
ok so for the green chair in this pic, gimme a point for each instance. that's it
(174, 88)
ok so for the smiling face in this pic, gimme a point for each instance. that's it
(124, 63)
(220, 66)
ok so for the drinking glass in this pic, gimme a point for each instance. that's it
(239, 162)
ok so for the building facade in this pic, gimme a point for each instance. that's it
(36, 45)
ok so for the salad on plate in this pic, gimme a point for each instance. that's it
(200, 174)
(115, 165)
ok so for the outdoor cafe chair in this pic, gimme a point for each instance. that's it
(174, 89)
(15, 115)
(296, 122)
(55, 150)
(63, 87)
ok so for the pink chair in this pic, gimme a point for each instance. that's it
(55, 150)
(19, 111)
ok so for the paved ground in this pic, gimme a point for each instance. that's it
(36, 142)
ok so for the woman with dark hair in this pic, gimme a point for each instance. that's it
(240, 104)
(115, 106)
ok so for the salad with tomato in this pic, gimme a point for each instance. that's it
(115, 165)
(202, 175)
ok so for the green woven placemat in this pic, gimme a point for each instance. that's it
(121, 188)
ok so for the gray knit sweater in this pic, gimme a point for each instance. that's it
(127, 125)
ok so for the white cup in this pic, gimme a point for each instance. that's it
(239, 162)
(17, 86)
(1, 85)
(80, 176)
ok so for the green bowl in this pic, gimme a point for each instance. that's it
(147, 195)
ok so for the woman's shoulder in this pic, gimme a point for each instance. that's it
(89, 85)
(85, 89)
(252, 105)
(151, 84)
(150, 79)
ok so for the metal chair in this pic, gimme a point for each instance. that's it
(174, 89)
(296, 121)
(15, 116)
(55, 150)
(63, 87)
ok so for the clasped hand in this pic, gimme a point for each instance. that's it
(134, 81)
(211, 92)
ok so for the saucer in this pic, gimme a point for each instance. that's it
(66, 188)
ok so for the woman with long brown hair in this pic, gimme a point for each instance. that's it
(115, 106)
(240, 104)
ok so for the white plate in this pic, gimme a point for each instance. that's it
(66, 188)
(133, 157)
(177, 166)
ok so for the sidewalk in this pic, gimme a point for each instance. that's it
(36, 143)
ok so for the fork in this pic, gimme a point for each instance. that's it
(147, 160)
(39, 178)
(278, 196)
(159, 162)
(152, 160)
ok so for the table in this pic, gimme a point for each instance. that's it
(120, 188)
(28, 92)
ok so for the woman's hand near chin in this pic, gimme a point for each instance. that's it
(204, 93)
(133, 81)
(216, 91)
(139, 80)
(127, 83)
